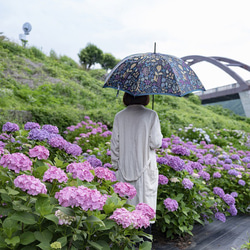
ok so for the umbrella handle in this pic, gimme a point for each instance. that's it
(153, 100)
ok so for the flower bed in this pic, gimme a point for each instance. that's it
(60, 192)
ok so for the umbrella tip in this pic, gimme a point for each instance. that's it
(155, 47)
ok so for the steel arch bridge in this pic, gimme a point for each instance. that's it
(224, 64)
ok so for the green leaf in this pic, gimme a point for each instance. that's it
(3, 191)
(13, 241)
(44, 236)
(39, 171)
(95, 245)
(27, 238)
(12, 191)
(52, 217)
(93, 219)
(44, 245)
(24, 217)
(63, 241)
(6, 197)
(18, 206)
(146, 245)
(67, 210)
(43, 206)
(58, 162)
(10, 226)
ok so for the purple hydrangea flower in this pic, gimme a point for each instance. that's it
(180, 150)
(220, 216)
(39, 134)
(246, 159)
(40, 152)
(163, 180)
(233, 210)
(106, 134)
(57, 142)
(16, 161)
(175, 162)
(125, 189)
(233, 172)
(219, 191)
(187, 183)
(94, 162)
(235, 157)
(29, 183)
(189, 168)
(204, 175)
(242, 182)
(73, 149)
(228, 161)
(170, 204)
(31, 125)
(227, 166)
(217, 175)
(196, 165)
(54, 173)
(51, 129)
(10, 127)
(234, 194)
(229, 199)
(107, 165)
(161, 160)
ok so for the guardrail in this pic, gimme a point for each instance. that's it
(219, 89)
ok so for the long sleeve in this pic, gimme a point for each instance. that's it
(155, 138)
(115, 145)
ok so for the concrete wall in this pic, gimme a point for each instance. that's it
(245, 100)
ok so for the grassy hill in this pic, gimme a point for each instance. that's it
(56, 90)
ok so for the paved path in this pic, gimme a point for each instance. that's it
(230, 235)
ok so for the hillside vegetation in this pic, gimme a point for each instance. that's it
(56, 90)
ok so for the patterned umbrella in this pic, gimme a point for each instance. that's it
(152, 74)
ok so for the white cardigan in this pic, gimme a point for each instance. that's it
(136, 134)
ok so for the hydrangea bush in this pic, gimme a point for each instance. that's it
(53, 196)
(60, 192)
(200, 182)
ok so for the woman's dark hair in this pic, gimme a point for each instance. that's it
(132, 100)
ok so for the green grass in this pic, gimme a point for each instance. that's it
(56, 90)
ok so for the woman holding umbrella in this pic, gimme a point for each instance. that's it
(136, 134)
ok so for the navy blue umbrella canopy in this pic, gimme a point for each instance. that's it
(152, 74)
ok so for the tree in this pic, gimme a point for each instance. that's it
(90, 55)
(108, 61)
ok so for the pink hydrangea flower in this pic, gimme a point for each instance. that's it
(81, 170)
(125, 189)
(1, 150)
(122, 217)
(139, 220)
(125, 218)
(146, 209)
(87, 199)
(16, 161)
(105, 173)
(54, 173)
(29, 183)
(40, 152)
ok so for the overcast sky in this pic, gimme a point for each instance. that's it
(124, 27)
